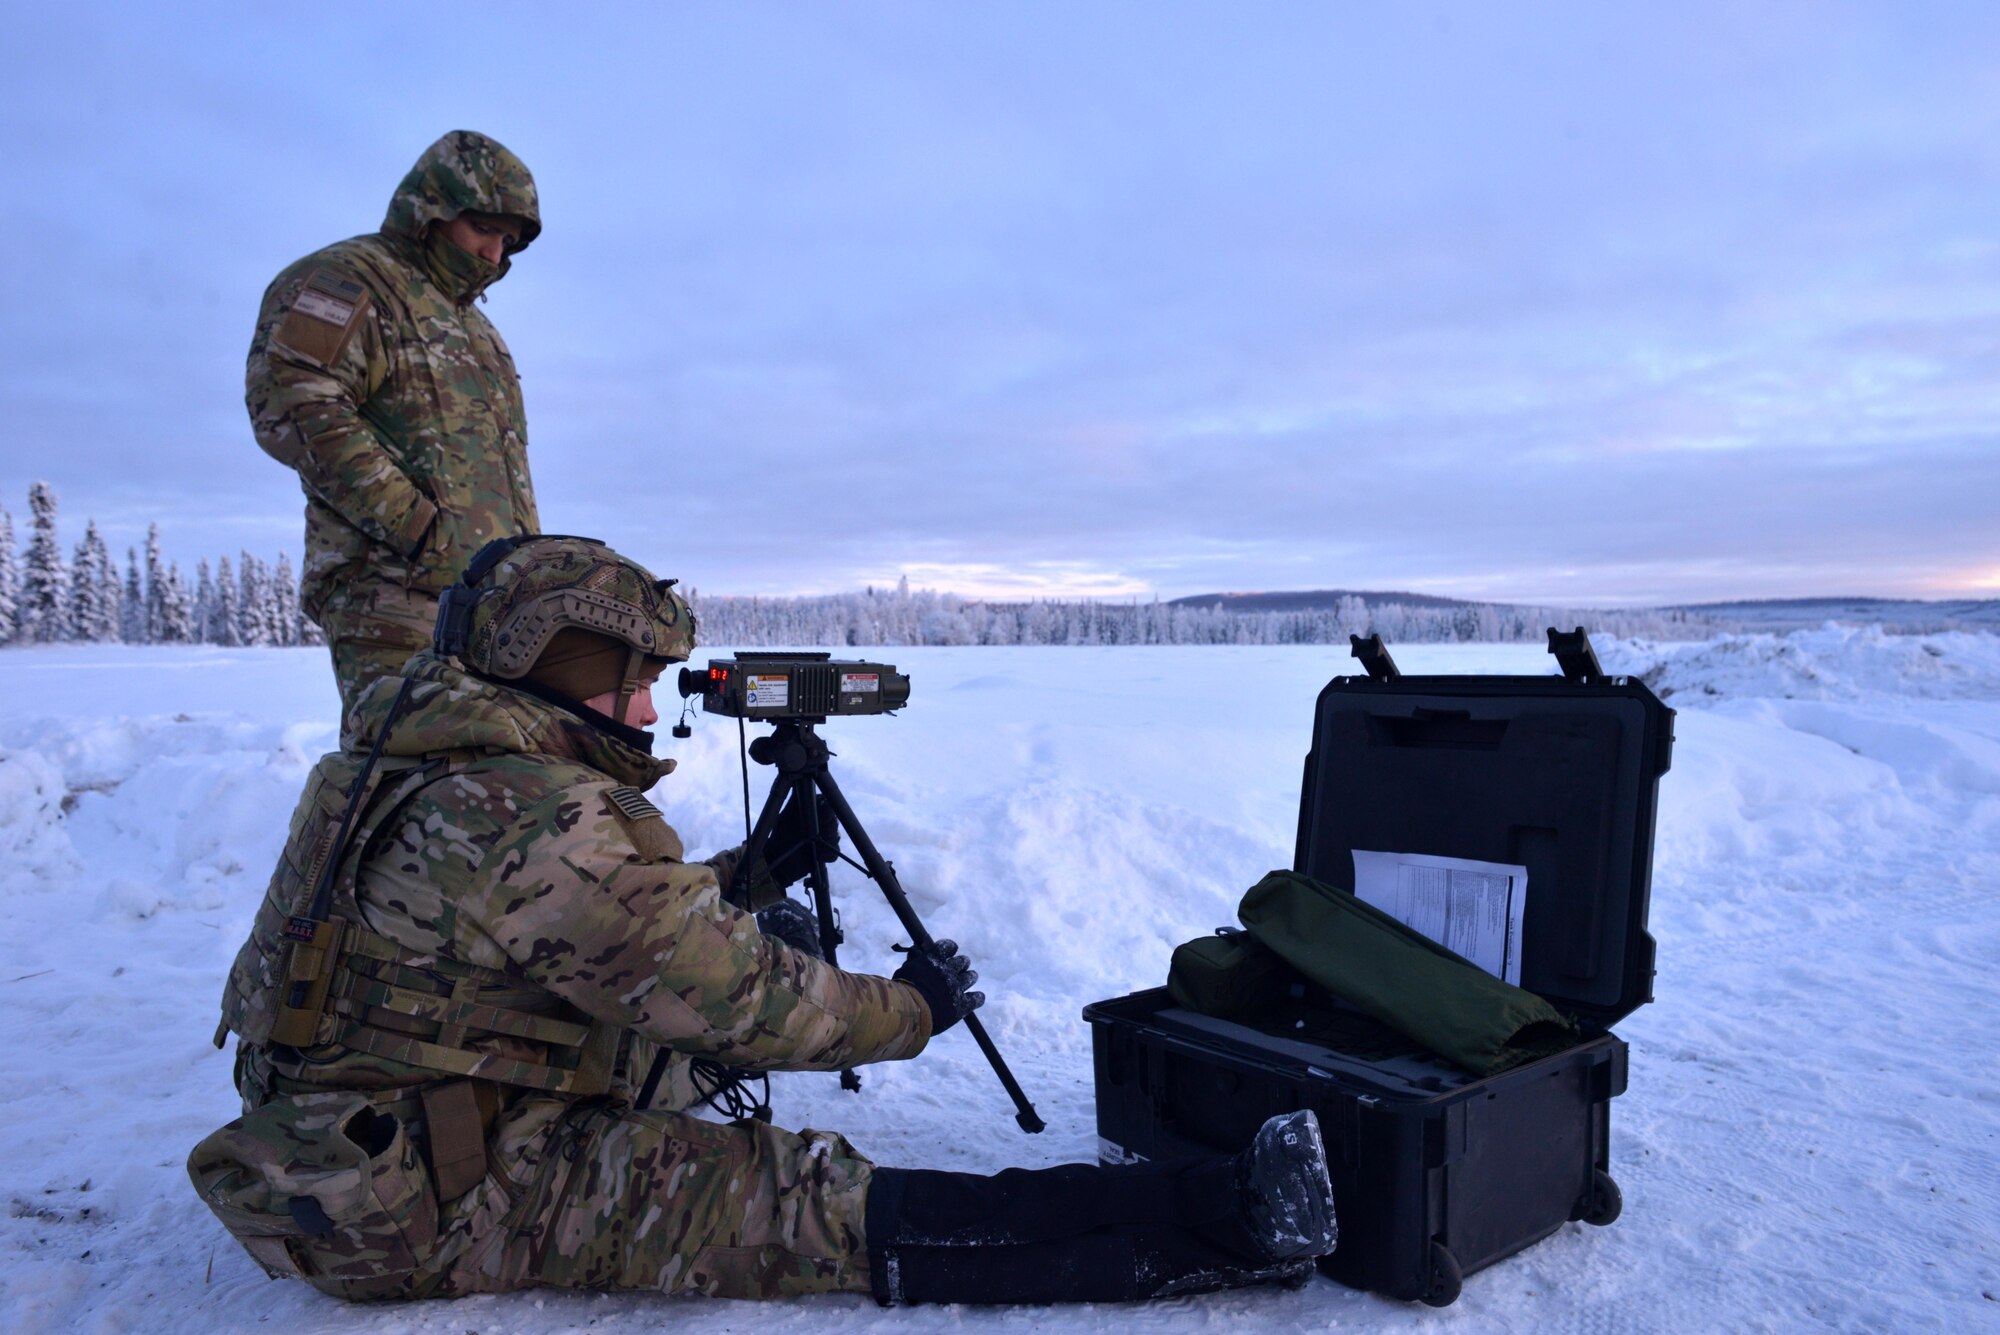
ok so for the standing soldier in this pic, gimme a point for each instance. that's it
(481, 933)
(375, 376)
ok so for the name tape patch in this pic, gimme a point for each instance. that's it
(322, 307)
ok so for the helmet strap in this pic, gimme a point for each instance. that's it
(628, 684)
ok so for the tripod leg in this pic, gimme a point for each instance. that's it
(892, 890)
(782, 786)
(816, 876)
(822, 892)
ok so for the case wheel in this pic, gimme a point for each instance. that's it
(1445, 1278)
(1604, 1203)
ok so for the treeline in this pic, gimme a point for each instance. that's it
(47, 600)
(904, 617)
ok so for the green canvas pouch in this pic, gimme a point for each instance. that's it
(1229, 975)
(1400, 976)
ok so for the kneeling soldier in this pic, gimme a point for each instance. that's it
(479, 936)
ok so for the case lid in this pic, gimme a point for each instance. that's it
(1558, 775)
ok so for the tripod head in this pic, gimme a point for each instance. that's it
(792, 746)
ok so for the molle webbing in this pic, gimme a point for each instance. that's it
(422, 1010)
(382, 977)
(326, 893)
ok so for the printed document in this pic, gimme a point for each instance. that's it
(1472, 908)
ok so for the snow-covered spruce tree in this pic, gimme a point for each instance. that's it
(251, 627)
(44, 582)
(93, 590)
(273, 615)
(176, 610)
(132, 608)
(204, 603)
(285, 602)
(156, 589)
(10, 580)
(270, 613)
(224, 615)
(110, 589)
(79, 596)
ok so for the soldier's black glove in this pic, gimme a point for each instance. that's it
(943, 976)
(788, 851)
(794, 924)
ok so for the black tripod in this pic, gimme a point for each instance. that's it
(800, 756)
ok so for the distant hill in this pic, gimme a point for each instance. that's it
(1896, 614)
(1312, 600)
(1904, 614)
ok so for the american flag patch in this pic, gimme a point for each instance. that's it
(633, 803)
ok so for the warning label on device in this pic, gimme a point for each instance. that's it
(768, 691)
(850, 682)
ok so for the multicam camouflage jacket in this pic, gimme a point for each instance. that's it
(526, 852)
(516, 936)
(374, 375)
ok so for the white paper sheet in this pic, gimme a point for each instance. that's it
(1473, 908)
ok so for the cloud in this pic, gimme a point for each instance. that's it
(1535, 303)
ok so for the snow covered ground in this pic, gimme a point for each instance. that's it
(1810, 1139)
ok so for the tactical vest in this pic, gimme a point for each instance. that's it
(303, 982)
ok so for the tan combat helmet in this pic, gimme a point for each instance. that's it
(519, 592)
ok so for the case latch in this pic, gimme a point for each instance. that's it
(1575, 656)
(1375, 659)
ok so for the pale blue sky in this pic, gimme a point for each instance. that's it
(1535, 302)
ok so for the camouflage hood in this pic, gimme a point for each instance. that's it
(465, 171)
(450, 710)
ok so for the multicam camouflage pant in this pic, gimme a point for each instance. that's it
(372, 630)
(609, 1198)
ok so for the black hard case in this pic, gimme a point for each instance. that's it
(1436, 1172)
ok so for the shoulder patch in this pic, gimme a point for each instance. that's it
(648, 830)
(334, 285)
(634, 804)
(323, 316)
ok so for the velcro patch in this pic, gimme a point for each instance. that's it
(323, 317)
(634, 804)
(335, 286)
(651, 836)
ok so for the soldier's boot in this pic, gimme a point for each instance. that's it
(1287, 1190)
(1081, 1233)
